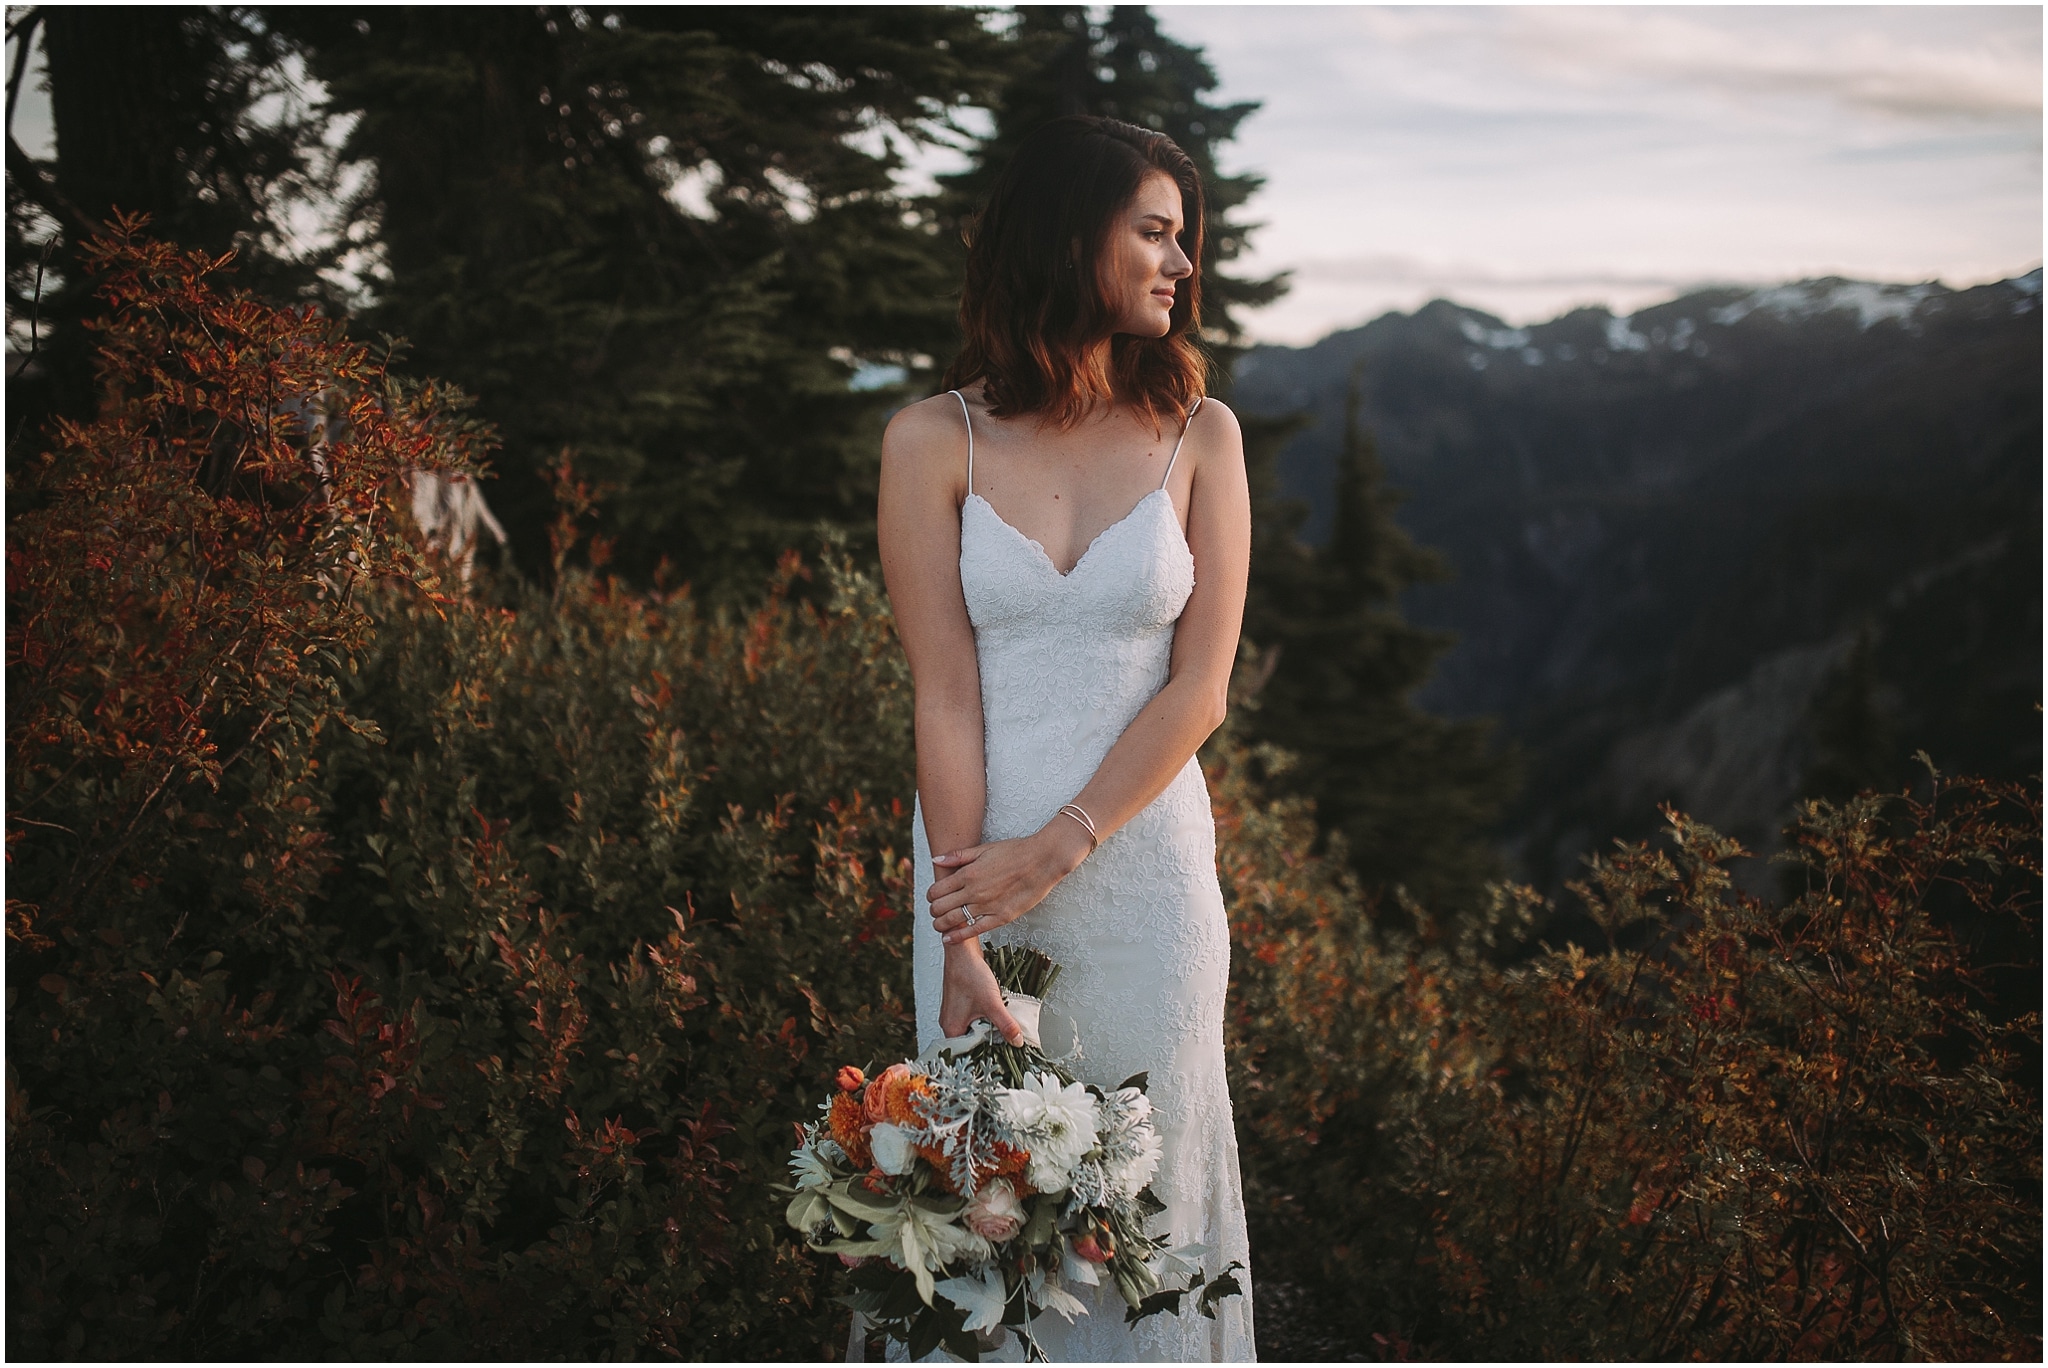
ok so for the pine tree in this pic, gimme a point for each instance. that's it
(1852, 737)
(1411, 795)
(661, 240)
(185, 113)
(1123, 67)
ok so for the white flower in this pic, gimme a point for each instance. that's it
(1055, 1122)
(982, 1298)
(1131, 1105)
(1130, 1145)
(891, 1146)
(1135, 1163)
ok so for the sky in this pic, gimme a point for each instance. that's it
(1526, 160)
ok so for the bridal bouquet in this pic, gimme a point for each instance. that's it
(971, 1191)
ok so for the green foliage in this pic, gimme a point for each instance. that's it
(1412, 795)
(1740, 1131)
(663, 238)
(1854, 740)
(185, 113)
(601, 778)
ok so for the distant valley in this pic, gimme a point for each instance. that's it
(1707, 551)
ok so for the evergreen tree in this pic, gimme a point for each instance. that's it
(185, 113)
(1852, 736)
(661, 240)
(1410, 794)
(1123, 67)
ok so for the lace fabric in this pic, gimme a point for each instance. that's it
(1067, 661)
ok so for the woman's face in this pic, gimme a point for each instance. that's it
(1143, 265)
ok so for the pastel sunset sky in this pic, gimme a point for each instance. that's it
(1528, 159)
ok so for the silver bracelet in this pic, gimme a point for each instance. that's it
(1075, 811)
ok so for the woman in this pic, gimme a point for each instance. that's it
(1065, 535)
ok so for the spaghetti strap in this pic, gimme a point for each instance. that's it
(1169, 465)
(970, 437)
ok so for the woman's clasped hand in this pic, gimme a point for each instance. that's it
(993, 884)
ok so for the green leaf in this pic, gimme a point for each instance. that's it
(926, 1333)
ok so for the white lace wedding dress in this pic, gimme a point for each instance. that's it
(1139, 929)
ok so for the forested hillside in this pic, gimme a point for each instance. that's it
(1733, 549)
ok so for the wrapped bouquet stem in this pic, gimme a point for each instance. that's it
(981, 1188)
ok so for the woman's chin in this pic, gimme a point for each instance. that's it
(1157, 326)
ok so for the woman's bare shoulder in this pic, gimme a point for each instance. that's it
(925, 437)
(1214, 434)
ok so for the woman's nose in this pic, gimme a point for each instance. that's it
(1178, 265)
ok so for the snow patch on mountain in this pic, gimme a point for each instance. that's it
(1621, 337)
(1500, 339)
(1870, 301)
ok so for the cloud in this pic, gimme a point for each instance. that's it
(1396, 269)
(1965, 64)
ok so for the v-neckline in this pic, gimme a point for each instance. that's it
(1046, 556)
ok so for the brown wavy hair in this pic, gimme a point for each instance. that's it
(1033, 308)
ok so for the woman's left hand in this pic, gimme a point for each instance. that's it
(1001, 880)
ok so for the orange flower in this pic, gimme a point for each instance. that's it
(1005, 1162)
(850, 1078)
(902, 1101)
(1008, 1162)
(849, 1126)
(942, 1168)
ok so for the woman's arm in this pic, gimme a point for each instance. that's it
(918, 524)
(1005, 879)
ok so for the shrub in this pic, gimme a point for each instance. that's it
(623, 822)
(1741, 1130)
(184, 574)
(392, 974)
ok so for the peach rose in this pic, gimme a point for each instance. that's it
(995, 1214)
(878, 1091)
(850, 1078)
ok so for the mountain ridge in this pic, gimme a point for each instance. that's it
(1723, 492)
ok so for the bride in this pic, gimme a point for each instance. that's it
(1065, 536)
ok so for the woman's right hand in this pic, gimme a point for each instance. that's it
(970, 992)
